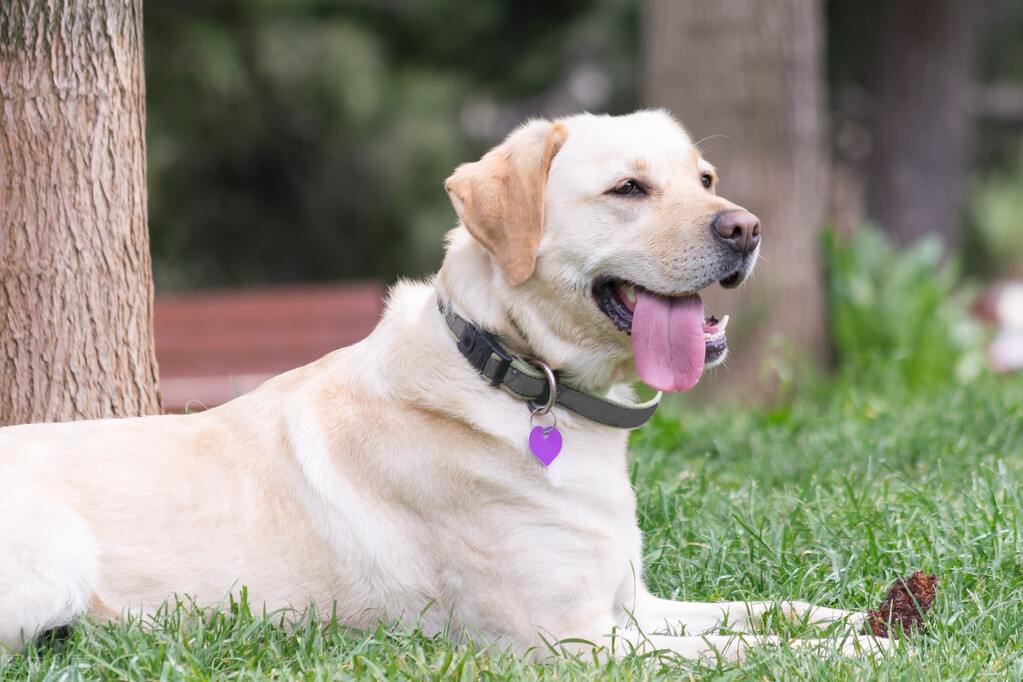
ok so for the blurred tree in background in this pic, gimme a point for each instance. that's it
(757, 110)
(927, 116)
(922, 136)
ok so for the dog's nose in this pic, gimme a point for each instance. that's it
(739, 229)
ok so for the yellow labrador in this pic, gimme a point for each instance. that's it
(431, 467)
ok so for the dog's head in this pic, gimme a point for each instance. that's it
(605, 228)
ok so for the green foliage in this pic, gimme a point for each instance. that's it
(898, 314)
(310, 140)
(286, 144)
(1001, 60)
(996, 207)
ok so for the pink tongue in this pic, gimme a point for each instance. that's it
(667, 340)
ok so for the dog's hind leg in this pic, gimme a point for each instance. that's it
(48, 566)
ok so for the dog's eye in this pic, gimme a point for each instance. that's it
(628, 187)
(708, 180)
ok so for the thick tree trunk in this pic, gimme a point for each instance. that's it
(76, 295)
(921, 121)
(746, 80)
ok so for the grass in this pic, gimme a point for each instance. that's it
(827, 498)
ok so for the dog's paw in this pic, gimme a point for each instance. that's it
(835, 620)
(865, 645)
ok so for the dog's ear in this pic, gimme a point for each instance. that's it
(500, 197)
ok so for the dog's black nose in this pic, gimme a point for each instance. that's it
(739, 229)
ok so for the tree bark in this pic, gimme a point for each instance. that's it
(921, 117)
(746, 80)
(76, 294)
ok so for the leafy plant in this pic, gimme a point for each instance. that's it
(995, 206)
(899, 313)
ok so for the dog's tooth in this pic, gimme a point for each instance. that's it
(629, 293)
(723, 323)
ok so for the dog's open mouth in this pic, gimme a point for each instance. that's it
(672, 339)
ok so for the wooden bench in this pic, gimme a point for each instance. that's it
(213, 346)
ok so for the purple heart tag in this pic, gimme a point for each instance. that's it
(545, 443)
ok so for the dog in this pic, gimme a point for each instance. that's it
(464, 466)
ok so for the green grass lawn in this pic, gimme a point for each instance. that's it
(826, 499)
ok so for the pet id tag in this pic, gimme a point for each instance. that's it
(545, 443)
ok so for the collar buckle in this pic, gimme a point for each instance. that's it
(484, 353)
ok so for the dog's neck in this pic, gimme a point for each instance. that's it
(534, 382)
(526, 320)
(486, 301)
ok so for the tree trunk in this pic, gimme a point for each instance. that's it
(746, 80)
(76, 294)
(921, 117)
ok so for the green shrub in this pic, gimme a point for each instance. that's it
(994, 239)
(899, 314)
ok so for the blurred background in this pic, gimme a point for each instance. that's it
(880, 142)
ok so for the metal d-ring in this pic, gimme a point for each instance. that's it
(552, 394)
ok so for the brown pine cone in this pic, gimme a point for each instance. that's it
(904, 606)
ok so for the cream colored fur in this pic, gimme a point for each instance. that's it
(388, 479)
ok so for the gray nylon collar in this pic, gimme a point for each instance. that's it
(523, 381)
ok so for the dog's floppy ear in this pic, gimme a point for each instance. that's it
(500, 197)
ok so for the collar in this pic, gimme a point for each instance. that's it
(524, 381)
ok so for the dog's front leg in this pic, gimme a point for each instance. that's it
(714, 648)
(653, 614)
(623, 642)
